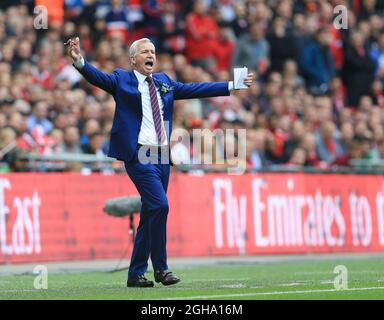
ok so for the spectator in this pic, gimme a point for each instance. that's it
(240, 22)
(328, 147)
(367, 9)
(223, 49)
(3, 120)
(300, 35)
(286, 100)
(359, 69)
(42, 75)
(39, 117)
(256, 149)
(252, 49)
(338, 94)
(171, 36)
(377, 54)
(346, 136)
(298, 158)
(308, 143)
(95, 144)
(91, 126)
(279, 134)
(291, 77)
(294, 140)
(326, 19)
(117, 21)
(87, 13)
(226, 10)
(378, 93)
(201, 34)
(280, 43)
(7, 144)
(381, 150)
(23, 54)
(317, 63)
(56, 137)
(354, 151)
(153, 23)
(71, 140)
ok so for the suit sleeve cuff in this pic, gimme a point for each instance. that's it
(230, 85)
(79, 64)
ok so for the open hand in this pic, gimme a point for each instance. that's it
(249, 79)
(73, 48)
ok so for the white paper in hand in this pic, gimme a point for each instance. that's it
(239, 74)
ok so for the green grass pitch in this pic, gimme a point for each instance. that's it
(300, 279)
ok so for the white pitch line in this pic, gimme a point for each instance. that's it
(272, 293)
(223, 279)
(291, 284)
(19, 291)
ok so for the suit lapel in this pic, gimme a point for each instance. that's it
(134, 88)
(156, 80)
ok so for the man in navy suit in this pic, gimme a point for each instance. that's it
(143, 123)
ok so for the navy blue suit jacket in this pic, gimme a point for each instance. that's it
(123, 86)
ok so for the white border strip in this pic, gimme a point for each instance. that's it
(271, 293)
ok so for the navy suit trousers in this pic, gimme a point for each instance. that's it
(151, 181)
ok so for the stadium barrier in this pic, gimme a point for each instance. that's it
(57, 217)
(34, 162)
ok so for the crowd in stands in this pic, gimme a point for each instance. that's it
(318, 99)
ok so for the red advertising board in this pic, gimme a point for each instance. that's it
(57, 217)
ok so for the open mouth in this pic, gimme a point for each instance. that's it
(149, 64)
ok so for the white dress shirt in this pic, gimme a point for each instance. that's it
(147, 134)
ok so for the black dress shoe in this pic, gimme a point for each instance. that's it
(139, 281)
(166, 277)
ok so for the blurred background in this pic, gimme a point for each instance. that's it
(318, 102)
(317, 107)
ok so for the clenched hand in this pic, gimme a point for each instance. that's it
(73, 48)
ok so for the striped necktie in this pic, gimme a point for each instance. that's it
(155, 109)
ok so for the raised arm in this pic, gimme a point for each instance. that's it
(200, 90)
(205, 89)
(105, 81)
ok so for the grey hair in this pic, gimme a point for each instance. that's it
(135, 45)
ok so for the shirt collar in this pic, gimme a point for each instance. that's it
(140, 77)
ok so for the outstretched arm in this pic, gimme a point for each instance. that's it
(205, 89)
(105, 81)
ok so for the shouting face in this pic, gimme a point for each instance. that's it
(144, 59)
